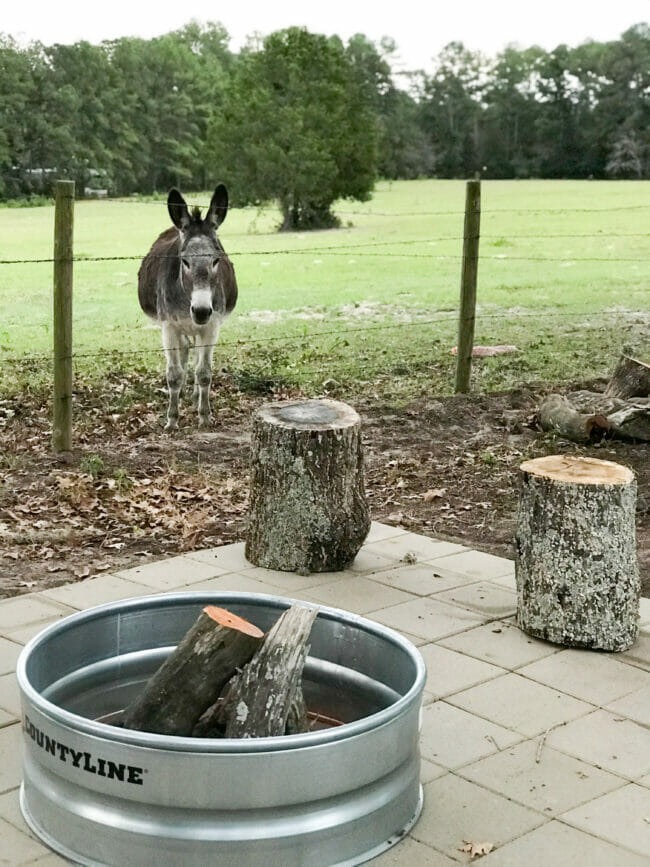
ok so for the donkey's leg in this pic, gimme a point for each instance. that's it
(176, 350)
(203, 349)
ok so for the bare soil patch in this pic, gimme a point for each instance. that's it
(445, 467)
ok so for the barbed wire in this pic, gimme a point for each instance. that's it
(369, 213)
(344, 251)
(445, 317)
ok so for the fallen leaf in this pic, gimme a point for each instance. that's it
(433, 494)
(476, 850)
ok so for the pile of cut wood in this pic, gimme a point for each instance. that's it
(226, 678)
(621, 411)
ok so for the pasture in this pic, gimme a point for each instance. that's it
(365, 313)
(562, 275)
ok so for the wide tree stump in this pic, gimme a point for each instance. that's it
(189, 681)
(576, 563)
(308, 508)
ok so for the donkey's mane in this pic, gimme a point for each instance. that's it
(196, 214)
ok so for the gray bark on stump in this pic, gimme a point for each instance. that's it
(576, 562)
(217, 645)
(308, 508)
(630, 379)
(266, 698)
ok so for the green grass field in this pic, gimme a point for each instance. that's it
(563, 275)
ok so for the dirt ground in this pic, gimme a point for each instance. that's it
(443, 467)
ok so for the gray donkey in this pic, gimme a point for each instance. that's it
(187, 284)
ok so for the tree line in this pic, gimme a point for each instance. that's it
(305, 119)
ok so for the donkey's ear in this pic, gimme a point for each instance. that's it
(218, 207)
(177, 207)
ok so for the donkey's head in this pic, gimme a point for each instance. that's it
(200, 253)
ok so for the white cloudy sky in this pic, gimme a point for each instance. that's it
(420, 27)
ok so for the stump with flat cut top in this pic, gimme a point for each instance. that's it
(576, 563)
(308, 508)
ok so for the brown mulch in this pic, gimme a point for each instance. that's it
(444, 467)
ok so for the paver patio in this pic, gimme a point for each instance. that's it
(540, 750)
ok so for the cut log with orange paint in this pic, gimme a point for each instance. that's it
(193, 675)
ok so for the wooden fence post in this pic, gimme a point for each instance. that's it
(62, 324)
(469, 275)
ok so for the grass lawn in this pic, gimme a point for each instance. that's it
(563, 275)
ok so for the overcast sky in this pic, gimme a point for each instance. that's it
(420, 28)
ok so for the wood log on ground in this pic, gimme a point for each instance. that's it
(308, 508)
(576, 562)
(267, 695)
(558, 414)
(625, 419)
(217, 645)
(630, 379)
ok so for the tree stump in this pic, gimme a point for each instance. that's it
(630, 379)
(218, 644)
(308, 509)
(576, 564)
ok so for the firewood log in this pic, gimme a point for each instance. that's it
(189, 681)
(267, 696)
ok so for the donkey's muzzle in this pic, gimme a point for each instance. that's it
(201, 314)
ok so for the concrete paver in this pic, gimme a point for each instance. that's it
(500, 643)
(453, 738)
(235, 581)
(634, 706)
(30, 608)
(172, 574)
(607, 740)
(456, 811)
(450, 672)
(10, 695)
(422, 579)
(592, 677)
(357, 594)
(412, 854)
(428, 618)
(96, 591)
(476, 563)
(483, 597)
(639, 653)
(22, 848)
(537, 776)
(9, 652)
(523, 705)
(410, 547)
(620, 817)
(11, 753)
(541, 750)
(559, 845)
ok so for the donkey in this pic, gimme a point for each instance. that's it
(187, 284)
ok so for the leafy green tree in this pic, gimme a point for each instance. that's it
(296, 127)
(508, 120)
(404, 150)
(451, 110)
(15, 87)
(625, 159)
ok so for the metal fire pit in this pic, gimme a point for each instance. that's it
(99, 794)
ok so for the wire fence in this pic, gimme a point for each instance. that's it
(388, 249)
